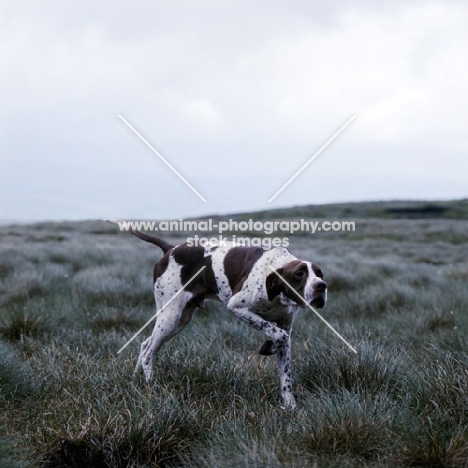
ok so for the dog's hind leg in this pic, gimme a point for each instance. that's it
(170, 321)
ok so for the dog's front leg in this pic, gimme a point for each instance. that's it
(282, 344)
(270, 329)
(283, 357)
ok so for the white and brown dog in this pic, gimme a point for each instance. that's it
(241, 278)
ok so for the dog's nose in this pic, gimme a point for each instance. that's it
(320, 286)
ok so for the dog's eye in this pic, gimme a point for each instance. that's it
(299, 273)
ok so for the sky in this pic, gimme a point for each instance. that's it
(236, 96)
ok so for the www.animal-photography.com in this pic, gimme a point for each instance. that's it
(234, 234)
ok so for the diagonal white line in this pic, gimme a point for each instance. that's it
(161, 158)
(160, 310)
(315, 312)
(312, 158)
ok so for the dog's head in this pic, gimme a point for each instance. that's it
(306, 278)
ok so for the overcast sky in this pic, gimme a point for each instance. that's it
(237, 96)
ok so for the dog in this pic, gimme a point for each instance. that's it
(242, 279)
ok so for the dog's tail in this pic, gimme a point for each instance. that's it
(162, 244)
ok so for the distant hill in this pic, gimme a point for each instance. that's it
(452, 209)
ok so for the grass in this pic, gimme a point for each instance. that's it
(71, 294)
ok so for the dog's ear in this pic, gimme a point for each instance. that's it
(274, 285)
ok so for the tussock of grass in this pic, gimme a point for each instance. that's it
(445, 390)
(107, 318)
(374, 369)
(14, 379)
(10, 456)
(346, 423)
(19, 322)
(421, 443)
(160, 438)
(439, 320)
(373, 300)
(108, 286)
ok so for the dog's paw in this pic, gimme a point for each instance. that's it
(149, 375)
(289, 402)
(268, 348)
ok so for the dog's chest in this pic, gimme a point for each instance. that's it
(274, 311)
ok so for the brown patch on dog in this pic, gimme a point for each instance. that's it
(192, 259)
(317, 270)
(296, 274)
(161, 266)
(238, 264)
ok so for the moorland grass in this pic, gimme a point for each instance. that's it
(71, 294)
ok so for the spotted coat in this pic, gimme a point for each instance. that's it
(242, 279)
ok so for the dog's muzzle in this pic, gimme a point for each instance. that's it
(319, 294)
